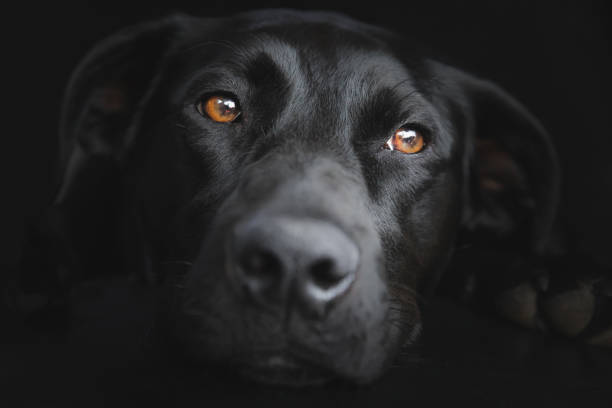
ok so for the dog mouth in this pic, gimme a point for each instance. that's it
(285, 369)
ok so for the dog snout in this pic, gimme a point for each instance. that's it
(275, 258)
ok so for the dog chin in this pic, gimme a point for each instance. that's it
(285, 370)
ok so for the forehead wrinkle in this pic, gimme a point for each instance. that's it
(338, 84)
(280, 52)
(287, 60)
(335, 87)
(243, 54)
(376, 72)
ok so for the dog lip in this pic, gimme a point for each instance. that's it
(283, 368)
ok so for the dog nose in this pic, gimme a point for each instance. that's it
(278, 257)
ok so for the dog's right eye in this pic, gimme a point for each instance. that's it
(407, 139)
(219, 108)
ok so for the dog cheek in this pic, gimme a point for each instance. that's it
(433, 225)
(199, 327)
(203, 308)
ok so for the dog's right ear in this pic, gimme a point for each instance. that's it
(100, 119)
(111, 85)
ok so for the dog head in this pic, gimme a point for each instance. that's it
(295, 179)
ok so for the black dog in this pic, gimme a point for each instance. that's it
(295, 180)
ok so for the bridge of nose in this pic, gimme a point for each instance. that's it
(300, 240)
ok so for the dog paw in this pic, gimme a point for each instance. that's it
(579, 308)
(520, 305)
(569, 312)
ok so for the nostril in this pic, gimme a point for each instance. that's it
(325, 274)
(261, 265)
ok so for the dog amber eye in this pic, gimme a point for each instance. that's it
(222, 109)
(406, 140)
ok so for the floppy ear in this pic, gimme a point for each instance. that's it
(110, 87)
(100, 119)
(512, 169)
(512, 263)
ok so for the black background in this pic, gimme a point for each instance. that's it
(556, 57)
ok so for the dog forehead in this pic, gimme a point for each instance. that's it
(329, 78)
(314, 58)
(325, 45)
(326, 62)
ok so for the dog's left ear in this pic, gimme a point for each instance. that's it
(511, 167)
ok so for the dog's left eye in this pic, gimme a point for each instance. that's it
(407, 140)
(220, 108)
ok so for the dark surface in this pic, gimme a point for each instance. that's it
(104, 360)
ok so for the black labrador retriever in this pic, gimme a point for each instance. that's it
(296, 181)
